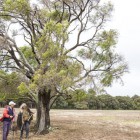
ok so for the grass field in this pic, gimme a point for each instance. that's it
(90, 125)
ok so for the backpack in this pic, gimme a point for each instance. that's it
(19, 120)
(1, 118)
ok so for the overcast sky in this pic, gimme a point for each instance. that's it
(126, 19)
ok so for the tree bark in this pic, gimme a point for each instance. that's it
(43, 112)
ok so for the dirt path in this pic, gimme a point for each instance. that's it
(91, 125)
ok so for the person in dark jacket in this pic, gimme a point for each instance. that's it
(8, 116)
(19, 116)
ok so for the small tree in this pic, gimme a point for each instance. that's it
(8, 85)
(67, 48)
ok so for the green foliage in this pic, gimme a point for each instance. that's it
(60, 103)
(107, 80)
(88, 100)
(80, 105)
(107, 39)
(8, 85)
(18, 6)
(104, 11)
(125, 102)
(78, 100)
(27, 51)
(50, 61)
(23, 89)
(56, 15)
(79, 95)
(137, 102)
(107, 102)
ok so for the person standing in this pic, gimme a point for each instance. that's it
(26, 119)
(8, 116)
(19, 116)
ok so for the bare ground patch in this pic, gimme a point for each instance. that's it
(90, 125)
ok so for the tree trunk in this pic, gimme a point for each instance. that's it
(43, 116)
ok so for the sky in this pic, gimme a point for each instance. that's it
(126, 19)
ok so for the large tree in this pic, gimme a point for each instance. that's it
(67, 48)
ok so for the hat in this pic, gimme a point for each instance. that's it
(12, 103)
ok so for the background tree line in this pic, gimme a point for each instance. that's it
(78, 99)
(89, 100)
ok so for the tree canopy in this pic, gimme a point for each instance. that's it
(67, 48)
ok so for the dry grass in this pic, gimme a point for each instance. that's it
(91, 125)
